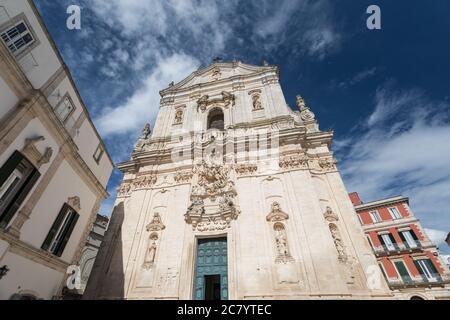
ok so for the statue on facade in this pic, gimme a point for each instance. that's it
(151, 251)
(256, 102)
(305, 113)
(143, 139)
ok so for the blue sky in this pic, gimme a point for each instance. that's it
(385, 92)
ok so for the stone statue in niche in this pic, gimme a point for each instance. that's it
(342, 255)
(178, 116)
(151, 251)
(283, 255)
(256, 102)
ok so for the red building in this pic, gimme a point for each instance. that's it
(409, 261)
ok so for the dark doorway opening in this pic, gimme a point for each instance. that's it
(212, 287)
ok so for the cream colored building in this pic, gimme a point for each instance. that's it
(234, 196)
(53, 164)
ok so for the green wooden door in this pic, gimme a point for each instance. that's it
(211, 265)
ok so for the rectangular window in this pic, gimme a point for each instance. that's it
(375, 216)
(61, 230)
(402, 271)
(65, 109)
(17, 37)
(395, 214)
(99, 154)
(17, 177)
(409, 238)
(427, 269)
(388, 241)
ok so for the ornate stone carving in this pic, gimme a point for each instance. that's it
(150, 254)
(225, 101)
(342, 255)
(327, 164)
(296, 161)
(154, 227)
(124, 190)
(256, 99)
(215, 190)
(74, 203)
(305, 113)
(245, 169)
(216, 73)
(144, 138)
(276, 214)
(179, 115)
(183, 176)
(283, 254)
(34, 155)
(144, 182)
(156, 224)
(330, 216)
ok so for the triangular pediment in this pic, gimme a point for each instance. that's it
(216, 72)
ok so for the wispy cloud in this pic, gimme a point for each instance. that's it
(143, 105)
(357, 78)
(403, 148)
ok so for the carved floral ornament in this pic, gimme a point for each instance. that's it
(226, 100)
(303, 161)
(33, 154)
(183, 176)
(246, 169)
(74, 203)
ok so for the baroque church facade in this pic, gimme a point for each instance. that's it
(233, 195)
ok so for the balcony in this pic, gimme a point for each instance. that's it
(436, 280)
(397, 248)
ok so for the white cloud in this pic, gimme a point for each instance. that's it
(404, 148)
(437, 236)
(143, 105)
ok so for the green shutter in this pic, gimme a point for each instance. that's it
(9, 166)
(52, 233)
(19, 198)
(66, 235)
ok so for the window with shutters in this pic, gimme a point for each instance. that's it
(388, 241)
(17, 37)
(17, 178)
(409, 238)
(375, 216)
(427, 270)
(395, 214)
(61, 230)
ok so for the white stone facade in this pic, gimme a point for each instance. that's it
(267, 181)
(43, 121)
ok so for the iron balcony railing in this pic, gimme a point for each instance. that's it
(397, 247)
(436, 279)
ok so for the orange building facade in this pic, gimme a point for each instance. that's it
(408, 259)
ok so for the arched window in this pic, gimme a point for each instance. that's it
(416, 298)
(216, 120)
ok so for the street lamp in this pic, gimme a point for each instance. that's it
(3, 271)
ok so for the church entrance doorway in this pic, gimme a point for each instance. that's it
(211, 270)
